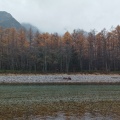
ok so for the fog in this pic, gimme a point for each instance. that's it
(65, 15)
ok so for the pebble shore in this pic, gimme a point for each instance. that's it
(60, 78)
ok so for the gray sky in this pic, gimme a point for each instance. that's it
(61, 15)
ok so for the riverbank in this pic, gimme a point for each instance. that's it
(59, 79)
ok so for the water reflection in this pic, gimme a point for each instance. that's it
(62, 116)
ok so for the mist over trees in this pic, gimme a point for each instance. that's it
(72, 52)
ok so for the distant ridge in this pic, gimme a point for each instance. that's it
(8, 21)
(27, 26)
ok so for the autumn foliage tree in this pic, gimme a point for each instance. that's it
(22, 50)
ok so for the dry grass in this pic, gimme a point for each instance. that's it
(69, 108)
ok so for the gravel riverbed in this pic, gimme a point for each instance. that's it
(60, 78)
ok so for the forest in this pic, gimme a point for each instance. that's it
(22, 50)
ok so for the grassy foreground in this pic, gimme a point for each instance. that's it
(105, 108)
(20, 102)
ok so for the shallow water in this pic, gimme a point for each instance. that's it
(52, 93)
(86, 116)
(60, 102)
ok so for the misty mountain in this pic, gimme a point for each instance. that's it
(27, 26)
(8, 21)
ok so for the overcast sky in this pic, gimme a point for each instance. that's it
(61, 15)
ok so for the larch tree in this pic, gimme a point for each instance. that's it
(67, 42)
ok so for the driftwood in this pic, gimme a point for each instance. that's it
(66, 78)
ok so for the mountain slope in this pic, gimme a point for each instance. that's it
(7, 21)
(27, 26)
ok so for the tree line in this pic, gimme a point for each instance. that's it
(22, 50)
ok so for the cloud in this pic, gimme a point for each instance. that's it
(61, 15)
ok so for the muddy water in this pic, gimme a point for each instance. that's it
(60, 102)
